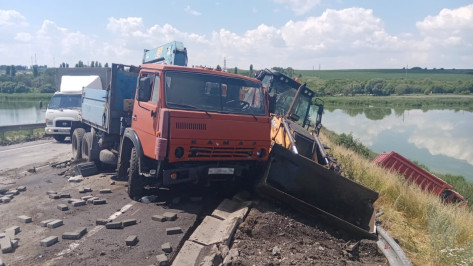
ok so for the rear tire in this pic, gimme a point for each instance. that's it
(77, 137)
(89, 151)
(59, 138)
(135, 181)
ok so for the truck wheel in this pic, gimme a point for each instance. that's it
(77, 137)
(59, 138)
(135, 182)
(89, 152)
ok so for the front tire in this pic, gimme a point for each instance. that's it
(135, 181)
(77, 137)
(59, 138)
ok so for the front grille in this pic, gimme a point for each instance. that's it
(191, 126)
(220, 152)
(63, 123)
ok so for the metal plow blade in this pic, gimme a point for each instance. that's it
(317, 191)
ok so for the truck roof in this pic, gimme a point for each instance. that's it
(163, 67)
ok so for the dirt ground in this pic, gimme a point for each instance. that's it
(271, 235)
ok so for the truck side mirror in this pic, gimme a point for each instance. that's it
(144, 89)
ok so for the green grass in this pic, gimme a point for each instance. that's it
(25, 96)
(11, 137)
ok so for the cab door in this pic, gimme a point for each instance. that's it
(146, 115)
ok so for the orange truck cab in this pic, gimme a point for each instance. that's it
(181, 125)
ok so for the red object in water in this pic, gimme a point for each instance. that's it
(418, 175)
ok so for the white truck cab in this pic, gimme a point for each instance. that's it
(64, 107)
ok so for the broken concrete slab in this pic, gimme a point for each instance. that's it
(166, 247)
(158, 218)
(170, 216)
(21, 188)
(173, 230)
(62, 207)
(188, 254)
(213, 230)
(54, 224)
(86, 169)
(48, 241)
(131, 240)
(231, 208)
(25, 219)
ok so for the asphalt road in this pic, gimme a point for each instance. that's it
(100, 246)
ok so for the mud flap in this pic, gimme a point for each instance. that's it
(317, 191)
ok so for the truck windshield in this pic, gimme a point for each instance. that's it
(213, 93)
(65, 101)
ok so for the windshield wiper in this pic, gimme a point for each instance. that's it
(182, 105)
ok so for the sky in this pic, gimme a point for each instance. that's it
(302, 34)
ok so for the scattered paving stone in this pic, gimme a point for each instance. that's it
(99, 202)
(129, 222)
(54, 224)
(101, 221)
(62, 207)
(114, 225)
(45, 222)
(158, 218)
(14, 243)
(173, 230)
(78, 203)
(112, 183)
(166, 247)
(21, 188)
(170, 216)
(105, 191)
(12, 192)
(91, 200)
(25, 219)
(78, 234)
(12, 231)
(65, 195)
(51, 192)
(82, 191)
(72, 200)
(131, 240)
(86, 197)
(54, 196)
(75, 179)
(5, 199)
(162, 260)
(48, 241)
(88, 189)
(6, 245)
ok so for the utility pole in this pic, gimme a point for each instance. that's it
(225, 64)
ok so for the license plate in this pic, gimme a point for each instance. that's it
(221, 171)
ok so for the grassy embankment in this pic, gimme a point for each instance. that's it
(430, 232)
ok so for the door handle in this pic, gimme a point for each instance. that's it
(133, 117)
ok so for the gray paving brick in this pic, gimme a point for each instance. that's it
(88, 189)
(158, 218)
(166, 247)
(54, 224)
(62, 207)
(51, 192)
(48, 241)
(114, 225)
(99, 202)
(45, 222)
(25, 219)
(105, 191)
(71, 235)
(170, 216)
(173, 230)
(65, 195)
(21, 188)
(82, 231)
(12, 192)
(129, 222)
(14, 243)
(86, 197)
(72, 200)
(131, 240)
(5, 244)
(82, 191)
(162, 260)
(14, 228)
(101, 221)
(91, 200)
(5, 199)
(54, 196)
(78, 203)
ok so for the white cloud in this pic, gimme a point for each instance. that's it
(9, 18)
(189, 10)
(300, 7)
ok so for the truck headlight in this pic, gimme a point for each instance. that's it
(179, 152)
(261, 153)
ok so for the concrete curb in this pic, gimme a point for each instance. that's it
(215, 230)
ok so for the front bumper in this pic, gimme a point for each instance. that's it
(209, 171)
(49, 131)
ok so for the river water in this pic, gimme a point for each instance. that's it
(442, 140)
(22, 112)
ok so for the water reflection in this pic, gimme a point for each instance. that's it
(440, 139)
(21, 112)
